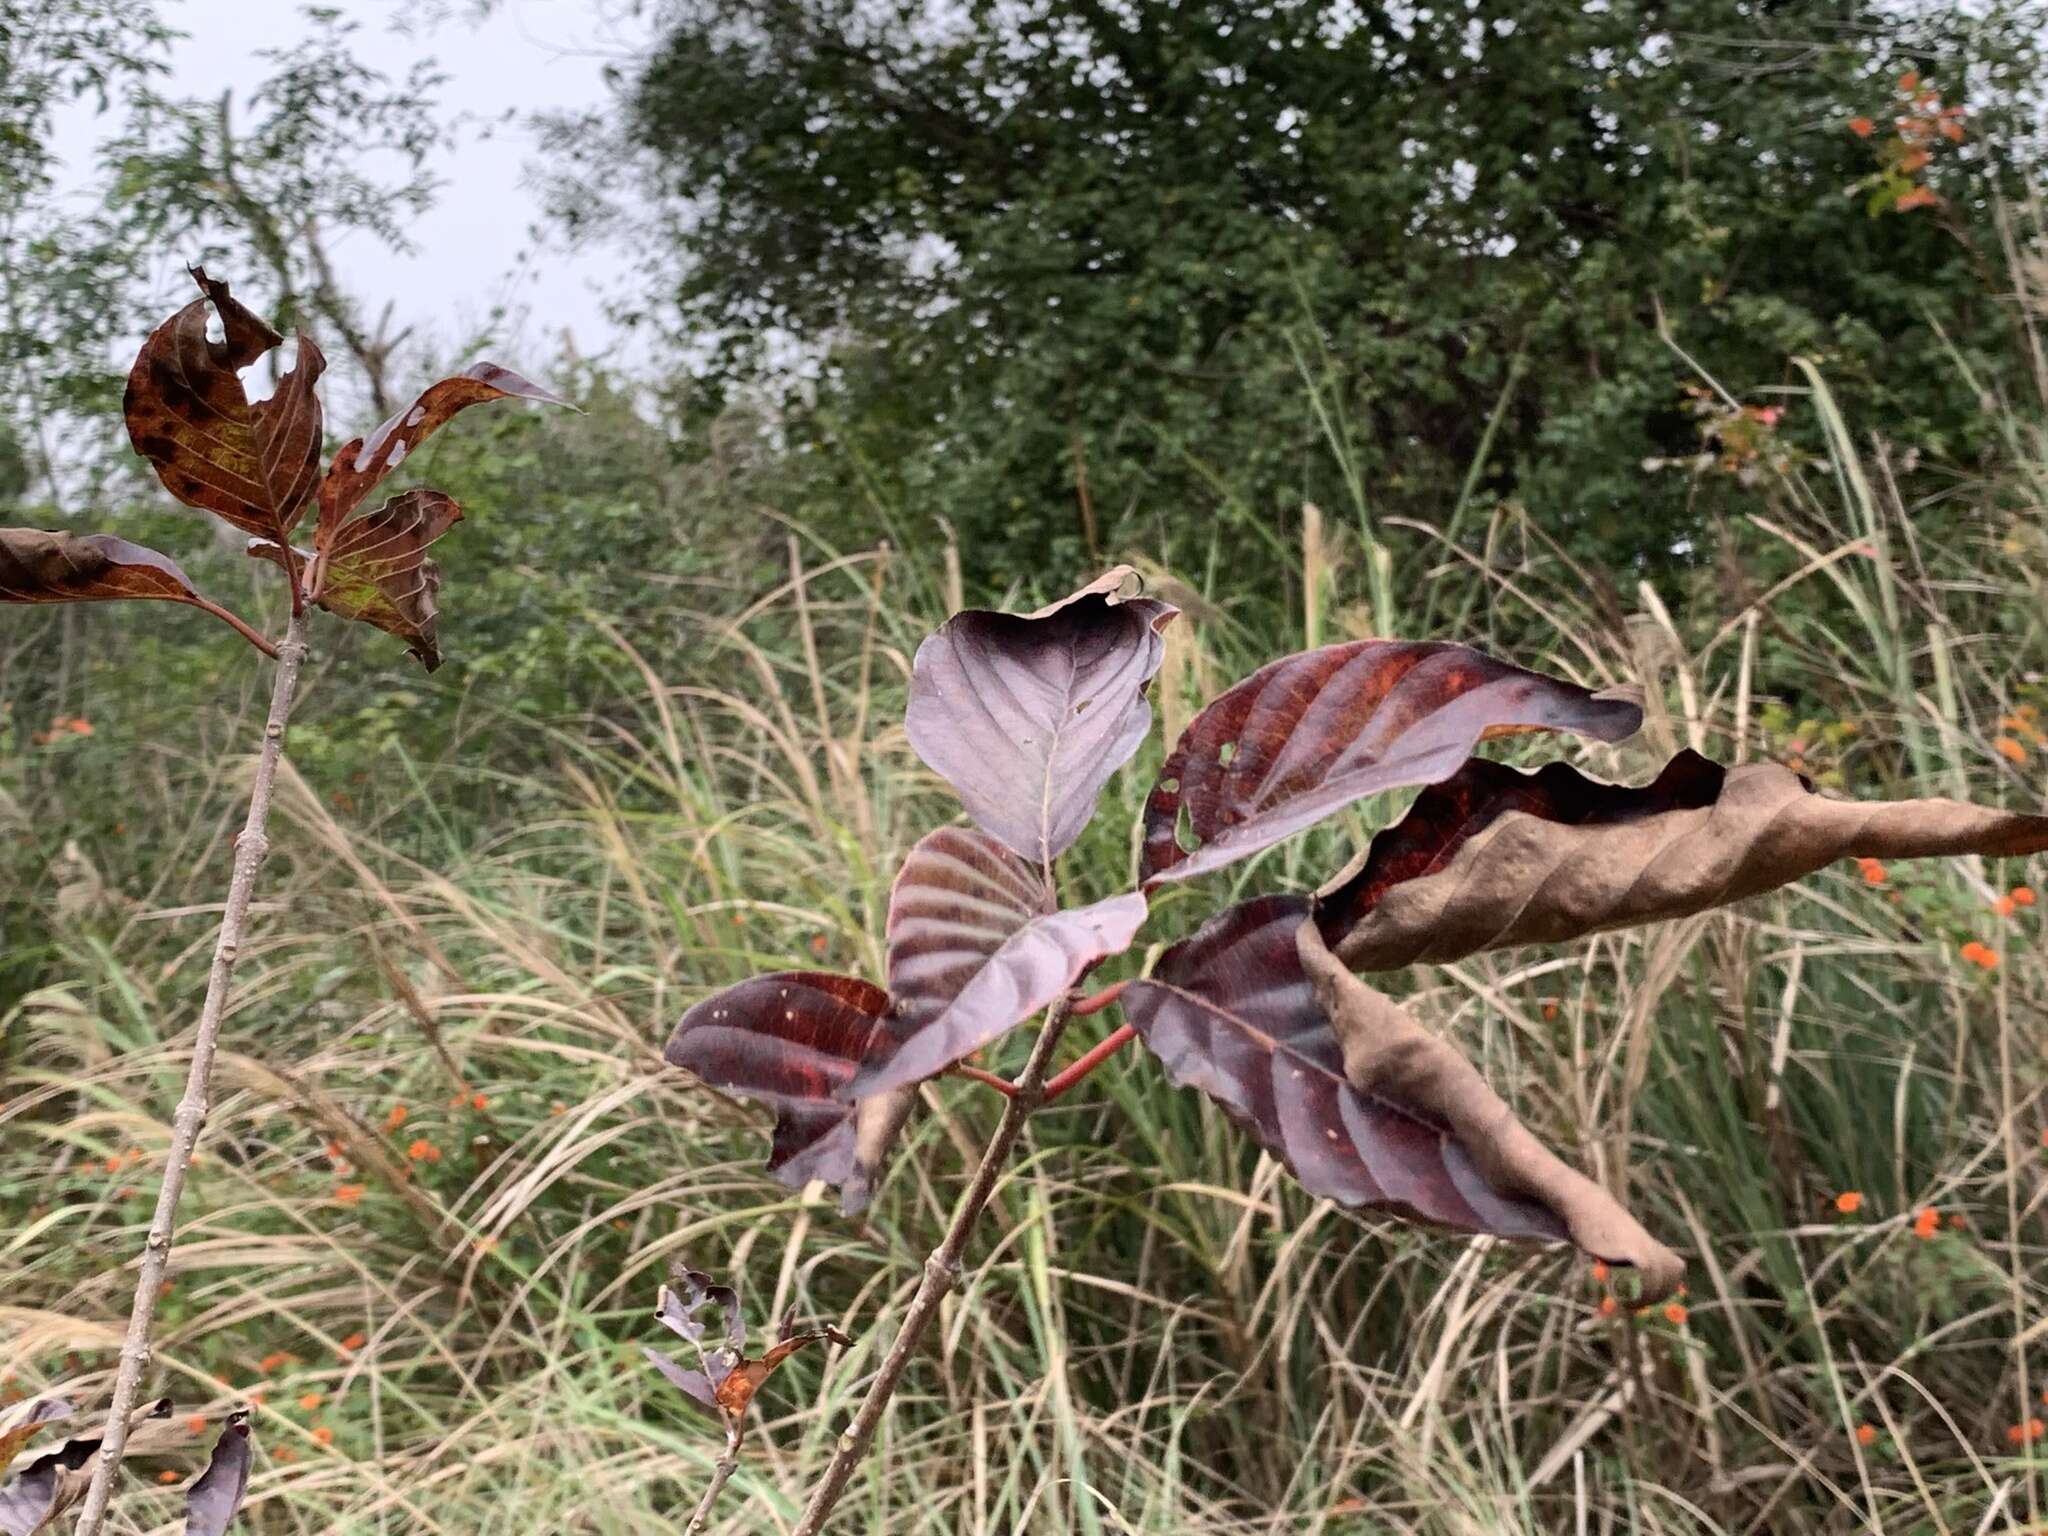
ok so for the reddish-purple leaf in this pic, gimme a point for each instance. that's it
(212, 1502)
(793, 1041)
(364, 461)
(1492, 857)
(377, 572)
(1311, 733)
(1231, 1011)
(255, 465)
(975, 949)
(1028, 715)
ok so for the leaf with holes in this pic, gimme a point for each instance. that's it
(213, 1501)
(1361, 1104)
(1306, 736)
(364, 461)
(254, 465)
(729, 1379)
(1493, 857)
(793, 1041)
(975, 949)
(377, 572)
(1028, 715)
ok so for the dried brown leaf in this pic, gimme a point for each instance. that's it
(1495, 857)
(377, 572)
(1387, 1053)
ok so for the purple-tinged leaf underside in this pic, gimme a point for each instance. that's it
(213, 1501)
(1492, 857)
(1236, 1012)
(730, 1379)
(363, 462)
(187, 413)
(1028, 715)
(34, 1500)
(1309, 734)
(975, 949)
(23, 1421)
(793, 1041)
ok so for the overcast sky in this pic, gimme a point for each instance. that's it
(526, 55)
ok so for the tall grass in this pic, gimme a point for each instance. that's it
(438, 1312)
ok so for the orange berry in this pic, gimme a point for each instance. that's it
(423, 1151)
(1926, 1223)
(352, 1343)
(1872, 871)
(196, 1424)
(2010, 749)
(396, 1118)
(2027, 1433)
(323, 1435)
(1675, 1315)
(167, 1477)
(1849, 1202)
(348, 1194)
(1600, 1270)
(1862, 127)
(2023, 895)
(1609, 1306)
(1866, 1434)
(1549, 1009)
(272, 1361)
(310, 1401)
(479, 1103)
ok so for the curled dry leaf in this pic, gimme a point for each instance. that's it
(254, 465)
(214, 1499)
(1311, 733)
(1387, 1053)
(1028, 715)
(730, 1379)
(376, 570)
(793, 1041)
(1361, 1104)
(1494, 857)
(23, 1421)
(976, 948)
(363, 462)
(49, 1485)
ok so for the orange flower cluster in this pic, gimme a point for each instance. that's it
(1926, 1223)
(1849, 1202)
(1871, 870)
(395, 1119)
(1866, 1434)
(423, 1151)
(348, 1194)
(2027, 1433)
(1921, 121)
(1980, 955)
(62, 726)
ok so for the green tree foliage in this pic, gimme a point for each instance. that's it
(1066, 267)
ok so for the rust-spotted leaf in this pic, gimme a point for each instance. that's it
(976, 948)
(1306, 736)
(187, 413)
(1235, 1012)
(377, 571)
(793, 1041)
(1493, 857)
(1028, 715)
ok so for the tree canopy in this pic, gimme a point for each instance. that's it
(1094, 273)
